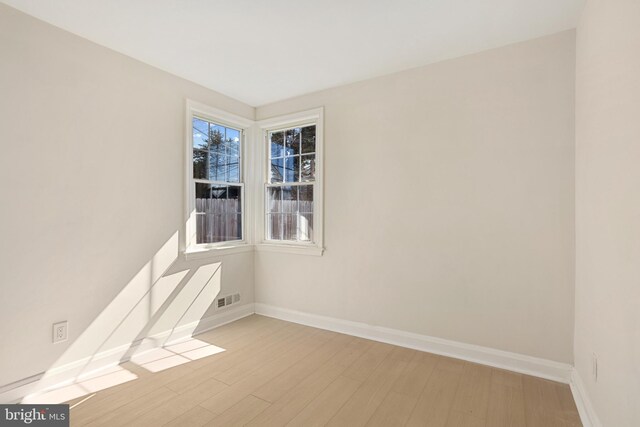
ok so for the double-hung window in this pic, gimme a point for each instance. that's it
(253, 185)
(293, 187)
(216, 186)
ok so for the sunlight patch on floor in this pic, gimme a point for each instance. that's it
(92, 383)
(159, 359)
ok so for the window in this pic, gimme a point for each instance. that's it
(292, 198)
(216, 176)
(216, 187)
(252, 185)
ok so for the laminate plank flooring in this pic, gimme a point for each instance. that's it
(267, 372)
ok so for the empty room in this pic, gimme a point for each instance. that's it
(320, 213)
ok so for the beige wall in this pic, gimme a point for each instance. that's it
(449, 207)
(608, 208)
(92, 179)
(449, 199)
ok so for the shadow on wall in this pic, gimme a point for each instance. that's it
(153, 310)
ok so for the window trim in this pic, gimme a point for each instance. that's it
(308, 117)
(191, 249)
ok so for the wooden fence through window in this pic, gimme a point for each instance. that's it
(220, 220)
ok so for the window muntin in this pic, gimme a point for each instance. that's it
(291, 184)
(217, 180)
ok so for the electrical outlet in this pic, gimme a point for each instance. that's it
(594, 367)
(59, 332)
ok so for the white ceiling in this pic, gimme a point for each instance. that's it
(263, 51)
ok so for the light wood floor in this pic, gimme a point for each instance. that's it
(275, 373)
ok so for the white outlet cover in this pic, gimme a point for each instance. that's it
(59, 332)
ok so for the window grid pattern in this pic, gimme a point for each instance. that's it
(291, 184)
(217, 179)
(216, 152)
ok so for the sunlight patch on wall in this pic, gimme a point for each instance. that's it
(150, 322)
(183, 314)
(108, 338)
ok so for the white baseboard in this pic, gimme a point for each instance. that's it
(189, 330)
(537, 367)
(14, 392)
(69, 373)
(542, 368)
(587, 413)
(228, 316)
(528, 365)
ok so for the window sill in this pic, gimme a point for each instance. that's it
(202, 253)
(290, 249)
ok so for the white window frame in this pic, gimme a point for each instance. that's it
(300, 119)
(192, 249)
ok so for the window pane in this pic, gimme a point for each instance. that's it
(308, 167)
(290, 208)
(216, 138)
(233, 193)
(305, 227)
(223, 168)
(277, 144)
(290, 199)
(234, 168)
(305, 203)
(292, 141)
(274, 201)
(274, 227)
(218, 213)
(233, 135)
(277, 170)
(292, 169)
(200, 164)
(200, 133)
(214, 167)
(309, 139)
(289, 227)
(233, 148)
(233, 142)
